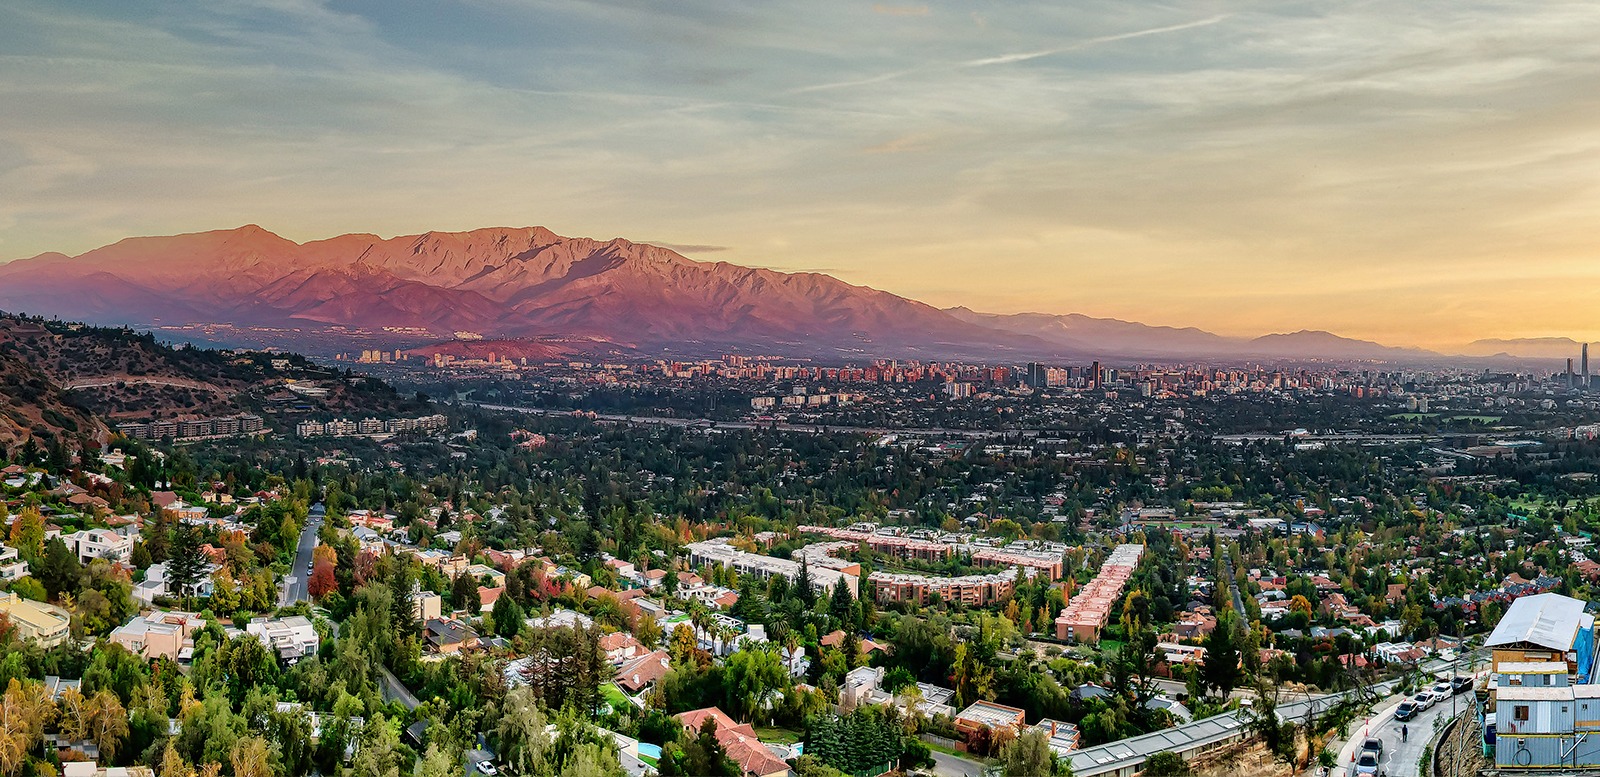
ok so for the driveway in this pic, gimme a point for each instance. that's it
(946, 765)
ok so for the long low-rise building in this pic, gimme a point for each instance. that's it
(971, 590)
(887, 544)
(720, 553)
(1086, 612)
(1037, 562)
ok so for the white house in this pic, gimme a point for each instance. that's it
(12, 566)
(292, 638)
(91, 544)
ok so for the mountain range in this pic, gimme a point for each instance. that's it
(561, 295)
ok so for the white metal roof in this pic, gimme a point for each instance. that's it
(1546, 620)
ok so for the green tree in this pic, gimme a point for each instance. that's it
(1029, 755)
(59, 570)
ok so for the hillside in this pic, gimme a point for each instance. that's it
(32, 405)
(525, 283)
(67, 381)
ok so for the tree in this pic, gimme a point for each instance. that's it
(25, 710)
(437, 762)
(1029, 755)
(464, 593)
(842, 606)
(702, 756)
(591, 759)
(1221, 664)
(507, 617)
(380, 752)
(750, 678)
(108, 724)
(523, 744)
(323, 581)
(59, 570)
(186, 566)
(27, 534)
(251, 757)
(1166, 764)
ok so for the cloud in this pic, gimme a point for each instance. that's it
(1008, 59)
(1339, 165)
(686, 248)
(900, 10)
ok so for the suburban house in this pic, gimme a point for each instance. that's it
(291, 638)
(640, 673)
(160, 635)
(989, 715)
(47, 624)
(445, 636)
(12, 567)
(90, 544)
(738, 740)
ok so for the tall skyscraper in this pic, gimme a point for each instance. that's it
(1094, 376)
(1585, 365)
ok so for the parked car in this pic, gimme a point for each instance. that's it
(1424, 700)
(1441, 689)
(1366, 765)
(487, 769)
(1462, 684)
(1406, 711)
(1372, 744)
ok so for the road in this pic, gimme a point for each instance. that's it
(1400, 758)
(295, 583)
(946, 765)
(981, 434)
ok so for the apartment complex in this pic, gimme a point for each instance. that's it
(972, 590)
(343, 427)
(1086, 612)
(719, 553)
(194, 428)
(887, 544)
(1037, 562)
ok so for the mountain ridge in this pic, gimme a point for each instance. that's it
(529, 283)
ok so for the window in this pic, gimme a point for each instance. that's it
(1519, 712)
(1514, 681)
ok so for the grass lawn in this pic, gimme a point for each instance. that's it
(615, 697)
(778, 736)
(954, 752)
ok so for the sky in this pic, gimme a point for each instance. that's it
(1418, 173)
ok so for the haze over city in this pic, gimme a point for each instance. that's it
(1419, 175)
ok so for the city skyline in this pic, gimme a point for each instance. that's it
(1415, 176)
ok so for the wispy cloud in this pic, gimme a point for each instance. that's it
(1368, 168)
(1009, 59)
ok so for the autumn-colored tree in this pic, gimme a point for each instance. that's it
(108, 723)
(27, 534)
(1299, 603)
(322, 580)
(325, 553)
(250, 757)
(25, 711)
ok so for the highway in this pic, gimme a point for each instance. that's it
(296, 582)
(786, 427)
